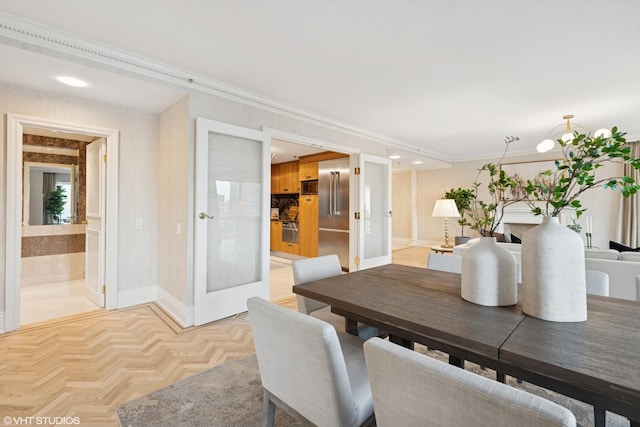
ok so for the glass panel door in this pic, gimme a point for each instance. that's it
(232, 184)
(374, 207)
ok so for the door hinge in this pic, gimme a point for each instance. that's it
(104, 289)
(104, 158)
(357, 215)
(356, 261)
(357, 171)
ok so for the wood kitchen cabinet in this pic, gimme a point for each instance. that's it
(308, 225)
(284, 178)
(308, 171)
(276, 236)
(290, 248)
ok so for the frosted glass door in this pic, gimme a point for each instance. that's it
(232, 204)
(374, 199)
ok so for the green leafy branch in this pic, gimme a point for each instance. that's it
(576, 173)
(486, 216)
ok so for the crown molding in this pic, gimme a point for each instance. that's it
(30, 35)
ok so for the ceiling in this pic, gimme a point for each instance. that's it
(436, 81)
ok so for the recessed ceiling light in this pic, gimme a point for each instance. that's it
(72, 81)
(417, 162)
(394, 157)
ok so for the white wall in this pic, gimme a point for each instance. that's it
(174, 173)
(401, 207)
(138, 174)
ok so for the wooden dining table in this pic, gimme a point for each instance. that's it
(596, 361)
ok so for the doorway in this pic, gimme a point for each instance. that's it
(17, 126)
(54, 201)
(369, 201)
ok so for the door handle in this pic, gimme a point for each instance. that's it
(205, 216)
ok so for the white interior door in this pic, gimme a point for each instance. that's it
(372, 219)
(94, 238)
(232, 219)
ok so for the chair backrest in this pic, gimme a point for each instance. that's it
(422, 391)
(630, 256)
(301, 363)
(310, 269)
(597, 283)
(601, 253)
(442, 262)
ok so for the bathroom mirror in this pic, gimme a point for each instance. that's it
(40, 179)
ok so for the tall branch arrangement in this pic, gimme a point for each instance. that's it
(485, 217)
(576, 173)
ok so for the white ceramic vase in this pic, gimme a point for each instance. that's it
(553, 273)
(489, 274)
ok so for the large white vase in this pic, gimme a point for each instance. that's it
(489, 274)
(553, 273)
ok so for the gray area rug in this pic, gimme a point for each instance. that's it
(231, 395)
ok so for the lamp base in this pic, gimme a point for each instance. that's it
(446, 245)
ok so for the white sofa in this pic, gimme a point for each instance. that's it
(622, 267)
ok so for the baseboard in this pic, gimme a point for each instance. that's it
(180, 312)
(2, 325)
(402, 241)
(136, 296)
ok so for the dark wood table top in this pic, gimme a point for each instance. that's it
(600, 356)
(597, 361)
(417, 304)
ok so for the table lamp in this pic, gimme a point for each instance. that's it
(446, 208)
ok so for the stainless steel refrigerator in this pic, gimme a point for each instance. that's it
(333, 209)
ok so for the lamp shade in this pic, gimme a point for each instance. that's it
(445, 208)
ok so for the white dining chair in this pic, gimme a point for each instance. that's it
(306, 370)
(442, 262)
(322, 267)
(597, 283)
(412, 389)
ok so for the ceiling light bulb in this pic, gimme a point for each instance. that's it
(602, 133)
(567, 137)
(72, 81)
(394, 157)
(545, 146)
(417, 162)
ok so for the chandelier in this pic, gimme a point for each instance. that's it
(564, 132)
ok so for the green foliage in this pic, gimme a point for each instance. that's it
(463, 198)
(576, 173)
(56, 202)
(485, 217)
(575, 226)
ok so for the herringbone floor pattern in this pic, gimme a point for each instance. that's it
(87, 365)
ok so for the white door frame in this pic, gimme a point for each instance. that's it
(357, 188)
(13, 203)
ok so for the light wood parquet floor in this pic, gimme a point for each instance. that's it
(85, 365)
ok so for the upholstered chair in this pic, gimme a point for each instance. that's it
(306, 370)
(597, 283)
(442, 262)
(310, 269)
(412, 389)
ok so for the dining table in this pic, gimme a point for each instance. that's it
(596, 361)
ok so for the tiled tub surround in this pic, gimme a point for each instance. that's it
(52, 253)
